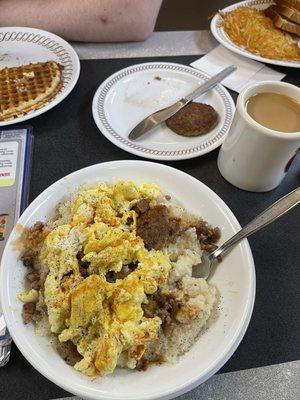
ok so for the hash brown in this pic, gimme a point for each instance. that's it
(252, 30)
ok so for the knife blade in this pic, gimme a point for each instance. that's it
(160, 116)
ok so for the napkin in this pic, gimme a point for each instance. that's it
(248, 71)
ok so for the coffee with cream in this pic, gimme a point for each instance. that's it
(275, 111)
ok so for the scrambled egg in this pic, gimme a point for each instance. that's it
(101, 318)
(30, 297)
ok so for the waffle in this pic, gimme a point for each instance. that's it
(26, 88)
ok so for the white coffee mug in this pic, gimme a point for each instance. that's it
(254, 157)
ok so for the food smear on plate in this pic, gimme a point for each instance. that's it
(194, 119)
(27, 88)
(109, 277)
(252, 30)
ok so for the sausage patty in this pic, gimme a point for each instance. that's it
(153, 227)
(193, 120)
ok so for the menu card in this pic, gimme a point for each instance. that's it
(15, 161)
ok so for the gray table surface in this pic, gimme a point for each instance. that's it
(281, 381)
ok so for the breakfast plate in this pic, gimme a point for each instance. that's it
(224, 39)
(235, 280)
(21, 46)
(129, 95)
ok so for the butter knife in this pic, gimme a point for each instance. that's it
(161, 115)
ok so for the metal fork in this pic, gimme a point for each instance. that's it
(276, 210)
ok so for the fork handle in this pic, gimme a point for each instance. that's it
(273, 212)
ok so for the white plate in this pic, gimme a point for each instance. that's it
(19, 46)
(224, 39)
(130, 95)
(235, 279)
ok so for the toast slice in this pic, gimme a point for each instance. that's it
(295, 4)
(289, 13)
(281, 22)
(27, 88)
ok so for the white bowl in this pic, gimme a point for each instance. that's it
(235, 279)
